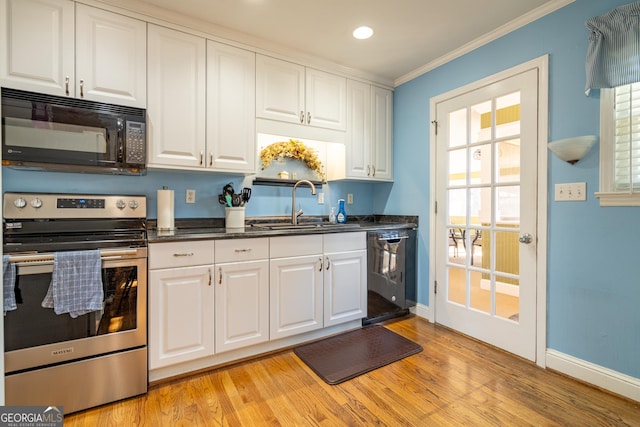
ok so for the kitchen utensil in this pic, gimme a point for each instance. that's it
(228, 189)
(229, 200)
(246, 194)
(222, 199)
(236, 200)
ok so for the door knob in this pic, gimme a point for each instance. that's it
(526, 238)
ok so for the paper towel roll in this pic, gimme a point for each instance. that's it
(165, 210)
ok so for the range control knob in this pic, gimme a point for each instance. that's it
(121, 204)
(36, 203)
(133, 204)
(20, 203)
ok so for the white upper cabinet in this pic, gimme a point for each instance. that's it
(111, 57)
(293, 93)
(89, 53)
(369, 142)
(231, 134)
(176, 108)
(27, 63)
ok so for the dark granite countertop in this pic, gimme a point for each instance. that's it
(213, 228)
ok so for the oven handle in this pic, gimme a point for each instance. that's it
(47, 258)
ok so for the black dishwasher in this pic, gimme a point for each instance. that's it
(391, 274)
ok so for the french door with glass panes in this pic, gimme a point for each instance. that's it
(486, 196)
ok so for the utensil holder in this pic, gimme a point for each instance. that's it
(234, 217)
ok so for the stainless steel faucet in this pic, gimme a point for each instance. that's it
(295, 214)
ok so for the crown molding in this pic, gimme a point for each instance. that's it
(487, 38)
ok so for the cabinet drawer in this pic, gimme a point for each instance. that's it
(289, 246)
(180, 254)
(233, 250)
(345, 242)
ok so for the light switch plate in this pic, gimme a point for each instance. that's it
(571, 192)
(321, 198)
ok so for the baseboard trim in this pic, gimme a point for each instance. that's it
(423, 311)
(602, 377)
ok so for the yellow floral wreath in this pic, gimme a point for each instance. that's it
(292, 149)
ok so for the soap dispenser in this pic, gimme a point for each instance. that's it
(342, 215)
(332, 216)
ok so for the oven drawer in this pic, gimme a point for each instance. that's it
(233, 250)
(180, 254)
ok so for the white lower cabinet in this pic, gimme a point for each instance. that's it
(295, 285)
(207, 309)
(345, 277)
(181, 302)
(241, 293)
(317, 281)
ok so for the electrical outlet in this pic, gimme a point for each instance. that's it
(349, 199)
(321, 198)
(191, 196)
(571, 192)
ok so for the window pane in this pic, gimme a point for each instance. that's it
(457, 206)
(458, 128)
(508, 161)
(457, 167)
(480, 167)
(508, 115)
(481, 122)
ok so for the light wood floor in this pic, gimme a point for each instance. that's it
(454, 381)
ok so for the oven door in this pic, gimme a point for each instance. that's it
(36, 336)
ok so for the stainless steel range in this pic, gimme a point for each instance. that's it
(74, 358)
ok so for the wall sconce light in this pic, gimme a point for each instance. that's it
(571, 150)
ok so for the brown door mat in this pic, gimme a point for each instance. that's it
(345, 356)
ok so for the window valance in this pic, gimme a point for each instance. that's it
(613, 56)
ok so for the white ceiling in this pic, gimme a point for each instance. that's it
(409, 35)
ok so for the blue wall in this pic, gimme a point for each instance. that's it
(265, 200)
(593, 288)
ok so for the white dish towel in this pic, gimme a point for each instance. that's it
(76, 283)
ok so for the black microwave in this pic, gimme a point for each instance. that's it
(56, 133)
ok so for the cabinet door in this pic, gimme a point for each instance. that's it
(279, 90)
(111, 57)
(345, 287)
(180, 315)
(231, 136)
(37, 45)
(326, 100)
(358, 138)
(176, 98)
(242, 304)
(296, 295)
(382, 134)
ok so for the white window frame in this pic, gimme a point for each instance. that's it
(608, 195)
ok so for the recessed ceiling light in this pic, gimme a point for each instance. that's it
(363, 32)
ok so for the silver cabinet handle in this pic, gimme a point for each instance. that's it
(373, 168)
(302, 117)
(81, 88)
(209, 277)
(183, 254)
(66, 85)
(243, 250)
(525, 238)
(368, 170)
(308, 118)
(201, 158)
(320, 260)
(220, 279)
(210, 159)
(328, 263)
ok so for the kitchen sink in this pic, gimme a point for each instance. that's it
(304, 225)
